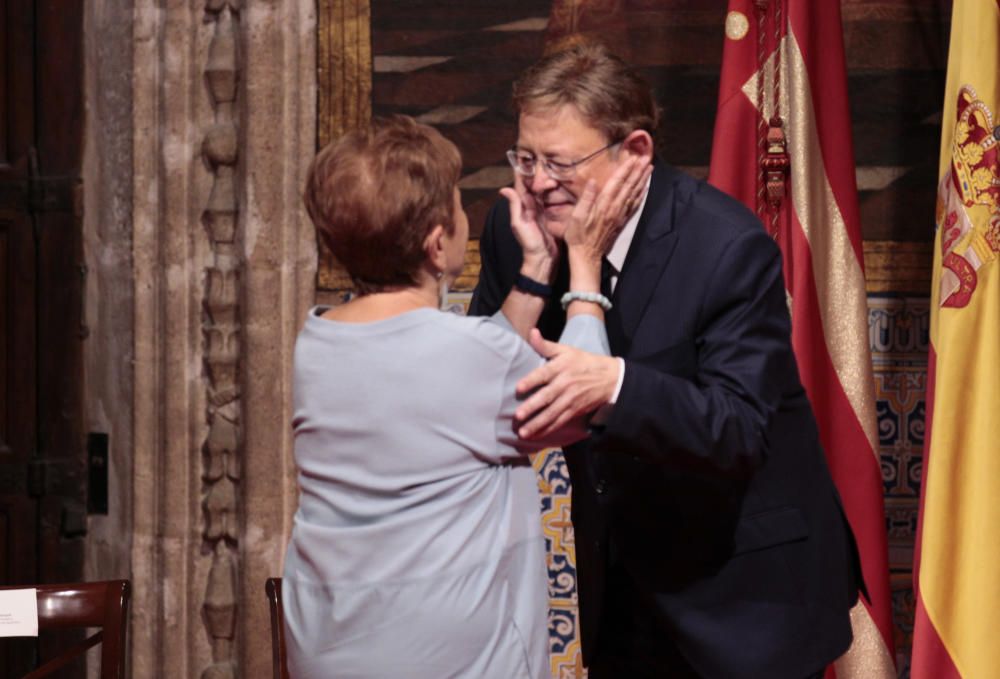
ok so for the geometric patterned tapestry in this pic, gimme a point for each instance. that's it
(564, 642)
(898, 333)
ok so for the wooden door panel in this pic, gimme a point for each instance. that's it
(62, 509)
(59, 70)
(18, 83)
(5, 331)
(17, 345)
(18, 387)
(61, 447)
(18, 510)
(42, 456)
(3, 84)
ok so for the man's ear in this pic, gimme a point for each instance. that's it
(434, 247)
(639, 143)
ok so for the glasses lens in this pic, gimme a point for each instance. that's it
(523, 163)
(558, 170)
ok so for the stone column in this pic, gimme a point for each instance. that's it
(224, 124)
(170, 189)
(278, 141)
(109, 293)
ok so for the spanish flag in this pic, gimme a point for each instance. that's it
(782, 146)
(957, 569)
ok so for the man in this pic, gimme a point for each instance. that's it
(710, 541)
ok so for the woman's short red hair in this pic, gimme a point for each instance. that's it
(375, 194)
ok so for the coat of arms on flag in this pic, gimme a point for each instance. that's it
(969, 200)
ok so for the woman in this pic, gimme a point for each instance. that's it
(416, 549)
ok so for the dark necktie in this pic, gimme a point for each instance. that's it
(608, 271)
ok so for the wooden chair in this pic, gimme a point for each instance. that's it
(273, 588)
(86, 604)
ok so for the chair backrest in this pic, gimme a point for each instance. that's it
(273, 589)
(86, 604)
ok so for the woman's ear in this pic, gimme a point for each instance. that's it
(434, 248)
(639, 143)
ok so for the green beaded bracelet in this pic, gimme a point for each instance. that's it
(594, 297)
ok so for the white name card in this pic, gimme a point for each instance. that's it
(18, 613)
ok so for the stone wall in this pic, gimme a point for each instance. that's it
(201, 124)
(109, 294)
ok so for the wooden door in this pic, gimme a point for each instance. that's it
(42, 457)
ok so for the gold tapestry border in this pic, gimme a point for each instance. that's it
(898, 266)
(344, 80)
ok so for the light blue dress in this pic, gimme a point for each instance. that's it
(416, 550)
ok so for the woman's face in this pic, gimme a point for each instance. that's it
(457, 240)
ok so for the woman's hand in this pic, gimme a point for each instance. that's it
(537, 245)
(598, 217)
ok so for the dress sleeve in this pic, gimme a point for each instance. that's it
(582, 331)
(588, 333)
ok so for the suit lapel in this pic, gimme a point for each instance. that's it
(647, 258)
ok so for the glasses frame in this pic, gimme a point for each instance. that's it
(561, 171)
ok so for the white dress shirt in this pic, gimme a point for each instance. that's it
(616, 257)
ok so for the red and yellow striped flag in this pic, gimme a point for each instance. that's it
(787, 154)
(957, 569)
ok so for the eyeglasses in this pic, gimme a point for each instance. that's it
(524, 163)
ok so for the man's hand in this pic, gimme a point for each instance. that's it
(537, 245)
(573, 383)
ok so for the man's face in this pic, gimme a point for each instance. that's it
(563, 135)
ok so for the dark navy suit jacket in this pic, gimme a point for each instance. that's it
(707, 483)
